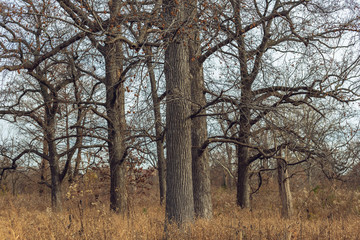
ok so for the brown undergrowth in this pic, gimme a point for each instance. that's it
(321, 213)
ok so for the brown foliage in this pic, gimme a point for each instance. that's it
(323, 213)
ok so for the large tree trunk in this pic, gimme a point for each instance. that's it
(115, 108)
(179, 194)
(243, 185)
(161, 165)
(118, 185)
(56, 193)
(200, 159)
(284, 189)
(117, 151)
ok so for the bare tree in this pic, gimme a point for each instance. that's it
(38, 94)
(89, 20)
(261, 32)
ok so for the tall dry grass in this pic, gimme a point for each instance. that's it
(323, 213)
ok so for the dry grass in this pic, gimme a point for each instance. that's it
(321, 214)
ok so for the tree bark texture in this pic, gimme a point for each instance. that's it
(243, 182)
(179, 194)
(243, 187)
(284, 189)
(51, 108)
(200, 159)
(115, 106)
(56, 193)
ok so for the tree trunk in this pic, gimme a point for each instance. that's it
(77, 164)
(69, 154)
(118, 187)
(43, 168)
(51, 109)
(56, 193)
(229, 162)
(161, 165)
(117, 152)
(243, 184)
(115, 108)
(161, 170)
(284, 189)
(200, 159)
(13, 184)
(179, 194)
(243, 181)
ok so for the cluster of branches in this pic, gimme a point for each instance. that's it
(261, 76)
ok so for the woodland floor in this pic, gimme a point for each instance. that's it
(321, 213)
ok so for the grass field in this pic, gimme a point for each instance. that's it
(323, 213)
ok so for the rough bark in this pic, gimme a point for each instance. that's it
(115, 108)
(284, 189)
(161, 164)
(243, 182)
(200, 159)
(51, 108)
(56, 193)
(179, 194)
(243, 185)
(118, 187)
